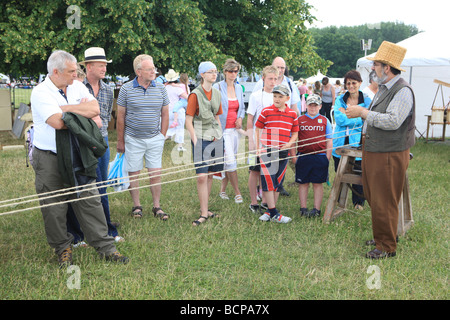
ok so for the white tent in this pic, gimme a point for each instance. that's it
(318, 77)
(427, 58)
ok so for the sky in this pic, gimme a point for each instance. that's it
(427, 15)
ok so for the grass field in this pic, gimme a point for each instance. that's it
(235, 257)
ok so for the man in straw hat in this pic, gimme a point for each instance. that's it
(387, 136)
(95, 63)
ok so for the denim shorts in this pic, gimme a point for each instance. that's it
(208, 156)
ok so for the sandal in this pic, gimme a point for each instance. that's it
(135, 213)
(197, 222)
(224, 196)
(238, 199)
(212, 215)
(162, 215)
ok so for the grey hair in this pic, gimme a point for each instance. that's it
(138, 61)
(58, 60)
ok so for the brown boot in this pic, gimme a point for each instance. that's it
(65, 258)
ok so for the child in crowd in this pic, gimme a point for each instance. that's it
(258, 100)
(276, 132)
(203, 124)
(314, 153)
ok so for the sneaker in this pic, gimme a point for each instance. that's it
(281, 219)
(80, 244)
(313, 213)
(224, 196)
(255, 208)
(116, 257)
(65, 258)
(283, 192)
(265, 217)
(303, 211)
(264, 206)
(119, 239)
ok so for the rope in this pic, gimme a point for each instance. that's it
(116, 181)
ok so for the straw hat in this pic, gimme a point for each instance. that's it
(390, 54)
(172, 75)
(94, 54)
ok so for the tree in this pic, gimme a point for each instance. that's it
(178, 34)
(342, 45)
(255, 32)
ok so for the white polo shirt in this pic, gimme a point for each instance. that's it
(46, 100)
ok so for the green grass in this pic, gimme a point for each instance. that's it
(235, 256)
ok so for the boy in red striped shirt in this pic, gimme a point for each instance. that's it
(277, 130)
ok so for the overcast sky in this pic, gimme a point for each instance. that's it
(427, 15)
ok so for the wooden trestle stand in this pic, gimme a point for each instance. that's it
(345, 176)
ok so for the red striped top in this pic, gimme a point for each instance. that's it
(277, 125)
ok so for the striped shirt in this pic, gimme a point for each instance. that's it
(105, 98)
(143, 108)
(397, 111)
(277, 125)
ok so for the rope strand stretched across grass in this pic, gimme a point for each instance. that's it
(138, 177)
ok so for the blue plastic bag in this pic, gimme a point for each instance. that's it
(117, 174)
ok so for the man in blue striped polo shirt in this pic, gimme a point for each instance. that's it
(142, 123)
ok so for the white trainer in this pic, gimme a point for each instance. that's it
(281, 219)
(265, 217)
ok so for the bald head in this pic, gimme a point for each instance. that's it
(280, 64)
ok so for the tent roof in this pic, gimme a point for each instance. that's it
(423, 49)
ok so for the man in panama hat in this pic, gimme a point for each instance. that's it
(387, 136)
(95, 63)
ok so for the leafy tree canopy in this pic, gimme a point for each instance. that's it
(179, 34)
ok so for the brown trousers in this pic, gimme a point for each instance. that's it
(383, 176)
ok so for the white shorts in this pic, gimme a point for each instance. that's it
(231, 145)
(137, 149)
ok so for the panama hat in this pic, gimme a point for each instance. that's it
(94, 54)
(172, 75)
(391, 54)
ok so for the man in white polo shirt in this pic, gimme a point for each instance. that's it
(59, 93)
(142, 123)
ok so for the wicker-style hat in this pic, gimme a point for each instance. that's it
(391, 54)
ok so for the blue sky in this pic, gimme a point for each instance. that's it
(427, 15)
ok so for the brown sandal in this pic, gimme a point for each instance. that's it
(162, 215)
(197, 222)
(135, 213)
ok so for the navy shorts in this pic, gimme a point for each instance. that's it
(311, 168)
(273, 169)
(208, 156)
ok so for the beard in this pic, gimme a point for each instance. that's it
(382, 79)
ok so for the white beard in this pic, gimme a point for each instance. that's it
(381, 80)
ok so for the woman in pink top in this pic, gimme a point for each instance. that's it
(231, 121)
